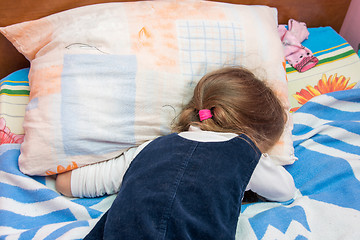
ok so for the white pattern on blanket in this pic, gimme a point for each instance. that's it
(327, 143)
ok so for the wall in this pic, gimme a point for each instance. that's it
(350, 29)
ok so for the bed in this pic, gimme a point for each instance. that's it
(320, 147)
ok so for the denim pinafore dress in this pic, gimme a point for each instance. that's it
(178, 188)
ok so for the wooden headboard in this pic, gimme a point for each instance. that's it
(313, 13)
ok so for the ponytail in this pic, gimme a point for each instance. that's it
(239, 103)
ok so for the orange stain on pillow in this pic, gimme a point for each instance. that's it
(45, 81)
(154, 40)
(144, 35)
(61, 169)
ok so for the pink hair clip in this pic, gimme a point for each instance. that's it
(205, 114)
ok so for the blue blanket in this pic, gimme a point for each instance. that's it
(327, 143)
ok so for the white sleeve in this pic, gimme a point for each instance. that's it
(271, 181)
(102, 178)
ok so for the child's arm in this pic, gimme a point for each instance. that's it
(272, 181)
(63, 183)
(97, 179)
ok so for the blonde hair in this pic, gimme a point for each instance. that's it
(240, 103)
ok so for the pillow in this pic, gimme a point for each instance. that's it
(110, 76)
(338, 67)
(14, 96)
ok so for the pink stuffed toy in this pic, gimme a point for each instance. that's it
(298, 56)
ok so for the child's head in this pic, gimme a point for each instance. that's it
(239, 103)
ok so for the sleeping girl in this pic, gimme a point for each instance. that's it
(190, 184)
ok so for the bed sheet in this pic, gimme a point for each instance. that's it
(14, 97)
(327, 174)
(338, 67)
(327, 143)
(30, 207)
